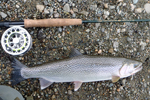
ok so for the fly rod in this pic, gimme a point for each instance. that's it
(60, 22)
(16, 40)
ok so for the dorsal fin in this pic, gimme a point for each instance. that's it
(74, 53)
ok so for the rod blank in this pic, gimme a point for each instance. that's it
(60, 22)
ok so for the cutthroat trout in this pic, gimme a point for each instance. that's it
(78, 68)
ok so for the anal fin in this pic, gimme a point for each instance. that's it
(44, 83)
(77, 85)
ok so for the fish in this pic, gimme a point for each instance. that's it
(8, 93)
(77, 68)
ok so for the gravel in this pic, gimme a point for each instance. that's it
(130, 40)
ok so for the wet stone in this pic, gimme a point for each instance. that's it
(40, 8)
(29, 98)
(66, 8)
(3, 15)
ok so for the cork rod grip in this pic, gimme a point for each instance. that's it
(51, 22)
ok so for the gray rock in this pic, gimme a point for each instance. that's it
(40, 8)
(135, 1)
(132, 7)
(138, 10)
(97, 25)
(45, 2)
(17, 6)
(88, 30)
(65, 0)
(75, 9)
(59, 0)
(3, 14)
(30, 98)
(106, 13)
(106, 5)
(79, 1)
(84, 12)
(56, 15)
(46, 11)
(8, 93)
(60, 29)
(142, 44)
(112, 7)
(69, 92)
(124, 81)
(115, 45)
(51, 10)
(147, 7)
(111, 84)
(66, 8)
(74, 15)
(93, 7)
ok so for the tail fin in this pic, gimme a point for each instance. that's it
(16, 73)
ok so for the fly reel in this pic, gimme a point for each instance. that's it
(16, 41)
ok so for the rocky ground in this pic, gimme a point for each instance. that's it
(129, 40)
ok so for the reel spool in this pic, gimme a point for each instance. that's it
(16, 41)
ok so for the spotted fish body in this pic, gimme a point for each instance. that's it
(80, 69)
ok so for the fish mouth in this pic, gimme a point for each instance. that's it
(137, 69)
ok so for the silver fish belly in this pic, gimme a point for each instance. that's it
(81, 68)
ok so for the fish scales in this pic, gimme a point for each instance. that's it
(84, 68)
(77, 69)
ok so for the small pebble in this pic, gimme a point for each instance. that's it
(93, 7)
(88, 30)
(56, 15)
(124, 81)
(106, 13)
(53, 96)
(142, 44)
(84, 12)
(147, 7)
(17, 6)
(66, 8)
(3, 14)
(123, 30)
(115, 45)
(40, 8)
(118, 89)
(29, 98)
(99, 51)
(75, 9)
(138, 10)
(112, 7)
(69, 92)
(149, 70)
(147, 40)
(46, 11)
(132, 7)
(135, 1)
(106, 5)
(111, 50)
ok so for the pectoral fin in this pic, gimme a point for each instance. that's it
(44, 83)
(115, 78)
(77, 85)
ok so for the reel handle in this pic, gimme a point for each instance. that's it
(51, 22)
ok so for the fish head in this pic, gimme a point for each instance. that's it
(129, 68)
